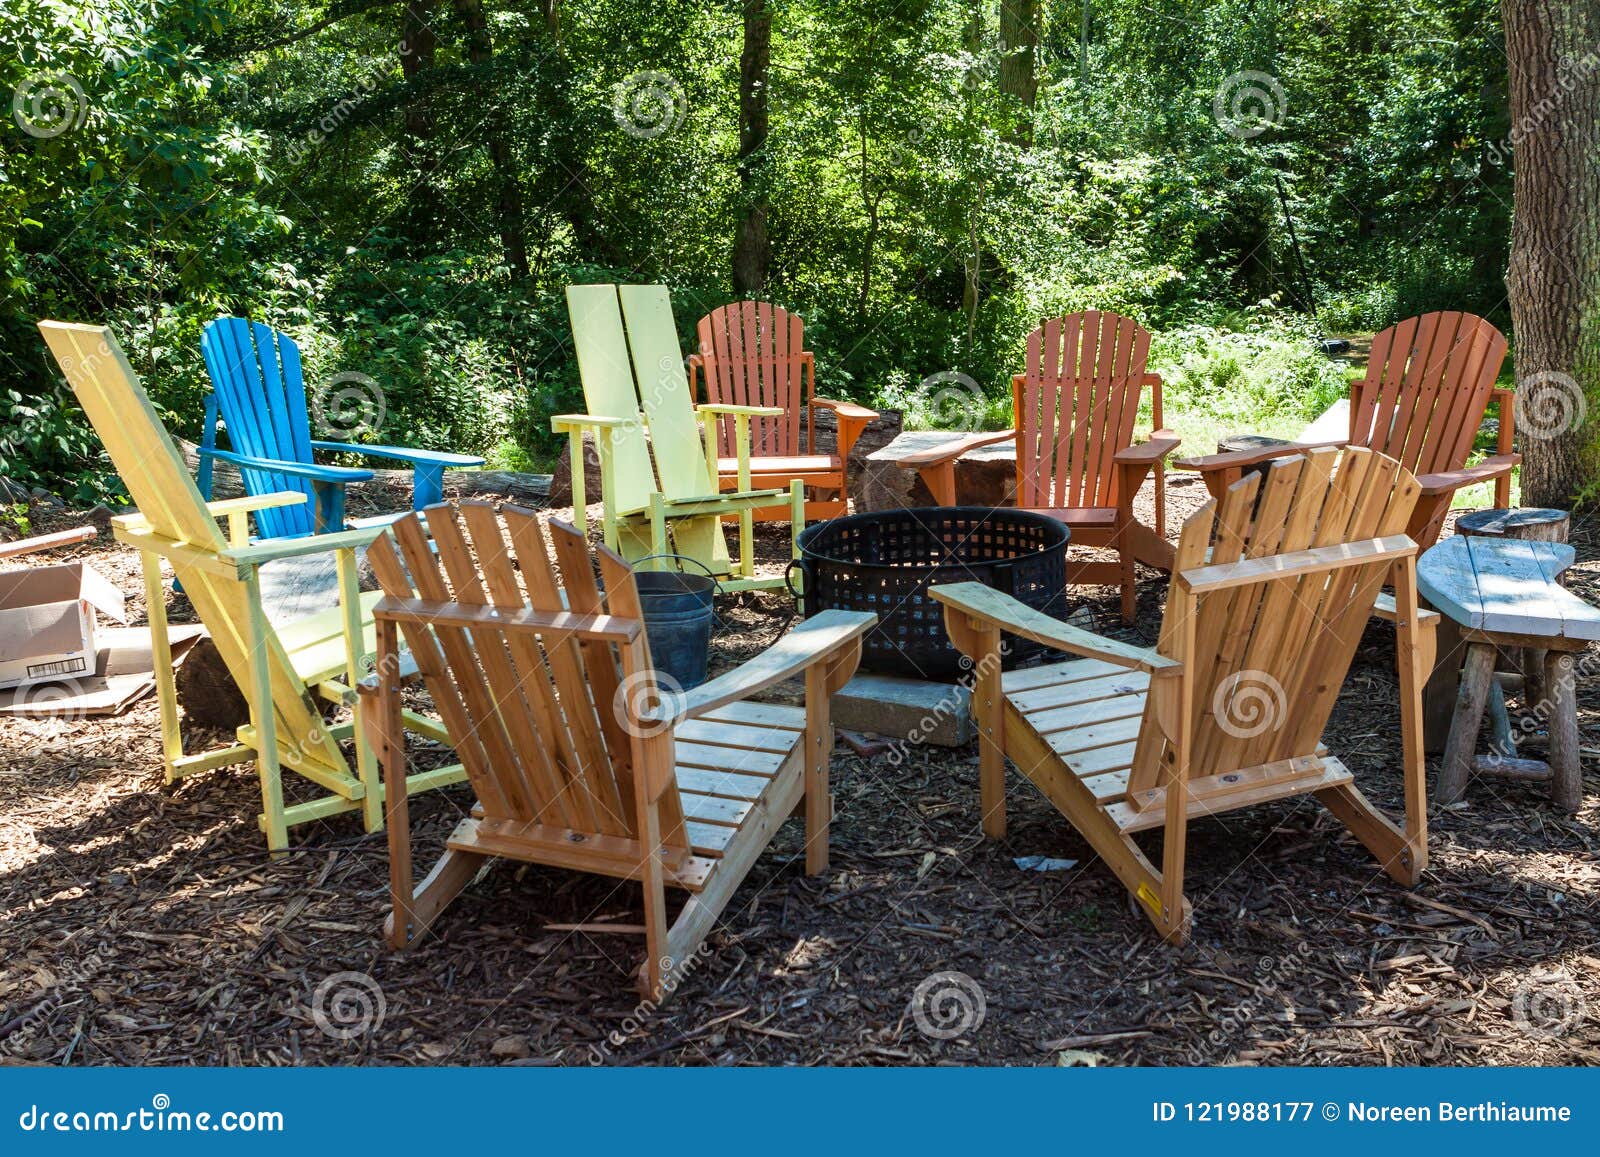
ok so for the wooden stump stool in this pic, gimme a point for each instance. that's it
(1533, 524)
(1502, 594)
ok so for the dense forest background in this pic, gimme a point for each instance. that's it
(407, 186)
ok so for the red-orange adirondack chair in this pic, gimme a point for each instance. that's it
(1075, 408)
(1428, 384)
(752, 353)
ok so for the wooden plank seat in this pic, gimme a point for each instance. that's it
(1227, 710)
(577, 759)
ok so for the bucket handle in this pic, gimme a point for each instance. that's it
(683, 558)
(796, 564)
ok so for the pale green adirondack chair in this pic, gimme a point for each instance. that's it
(281, 670)
(625, 396)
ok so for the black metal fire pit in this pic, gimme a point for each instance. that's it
(885, 563)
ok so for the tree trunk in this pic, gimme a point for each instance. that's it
(508, 208)
(1554, 275)
(752, 252)
(417, 44)
(1019, 46)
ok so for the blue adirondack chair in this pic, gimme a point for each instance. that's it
(259, 391)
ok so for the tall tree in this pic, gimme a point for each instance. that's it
(1019, 49)
(480, 51)
(1554, 276)
(752, 250)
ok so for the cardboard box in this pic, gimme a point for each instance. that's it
(47, 622)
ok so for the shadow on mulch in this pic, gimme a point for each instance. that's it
(143, 924)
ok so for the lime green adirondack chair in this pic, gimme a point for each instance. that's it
(624, 398)
(282, 670)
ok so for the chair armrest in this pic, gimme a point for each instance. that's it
(1009, 614)
(816, 639)
(40, 542)
(263, 552)
(251, 503)
(567, 423)
(335, 474)
(940, 454)
(1241, 458)
(429, 457)
(1448, 481)
(847, 411)
(1158, 446)
(721, 409)
(1384, 608)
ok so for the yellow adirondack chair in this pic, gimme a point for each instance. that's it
(1228, 709)
(652, 391)
(578, 761)
(279, 670)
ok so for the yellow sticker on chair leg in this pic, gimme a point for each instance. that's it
(1147, 897)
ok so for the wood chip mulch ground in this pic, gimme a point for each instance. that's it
(143, 924)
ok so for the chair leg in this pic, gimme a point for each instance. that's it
(263, 719)
(1566, 775)
(1476, 676)
(161, 654)
(819, 745)
(1130, 580)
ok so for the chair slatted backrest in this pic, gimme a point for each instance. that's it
(1076, 407)
(260, 387)
(158, 481)
(608, 388)
(1271, 655)
(751, 352)
(1427, 385)
(533, 713)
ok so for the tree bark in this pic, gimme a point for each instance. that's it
(1554, 274)
(508, 208)
(418, 42)
(752, 251)
(1019, 46)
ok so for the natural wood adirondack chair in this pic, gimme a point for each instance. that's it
(653, 391)
(576, 758)
(1228, 709)
(1428, 383)
(753, 354)
(1075, 408)
(278, 670)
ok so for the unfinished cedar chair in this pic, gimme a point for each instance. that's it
(578, 759)
(282, 670)
(1428, 384)
(752, 353)
(1075, 410)
(1228, 709)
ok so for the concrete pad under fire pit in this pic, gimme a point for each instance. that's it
(912, 710)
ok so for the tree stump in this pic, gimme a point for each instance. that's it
(1534, 524)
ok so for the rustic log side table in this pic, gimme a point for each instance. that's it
(1504, 594)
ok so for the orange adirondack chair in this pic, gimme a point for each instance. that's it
(1428, 384)
(752, 353)
(1075, 408)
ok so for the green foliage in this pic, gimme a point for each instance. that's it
(413, 211)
